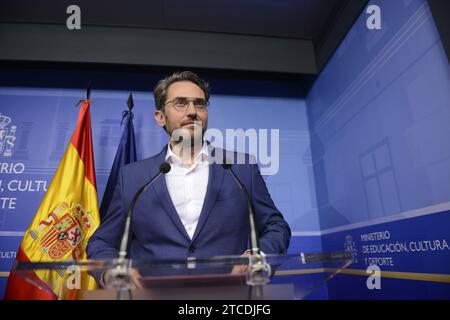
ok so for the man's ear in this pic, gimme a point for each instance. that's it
(160, 118)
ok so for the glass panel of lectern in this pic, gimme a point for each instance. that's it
(274, 277)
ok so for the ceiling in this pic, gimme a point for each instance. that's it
(298, 19)
(286, 40)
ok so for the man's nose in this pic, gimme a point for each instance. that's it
(191, 110)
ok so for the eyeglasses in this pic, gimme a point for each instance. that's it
(182, 103)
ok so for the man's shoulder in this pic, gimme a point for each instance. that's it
(152, 161)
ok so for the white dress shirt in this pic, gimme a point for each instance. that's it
(187, 186)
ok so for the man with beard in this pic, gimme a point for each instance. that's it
(196, 209)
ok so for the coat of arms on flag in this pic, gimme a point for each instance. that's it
(63, 231)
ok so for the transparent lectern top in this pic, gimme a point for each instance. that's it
(303, 272)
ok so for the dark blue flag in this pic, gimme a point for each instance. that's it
(126, 153)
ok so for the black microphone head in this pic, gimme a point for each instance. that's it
(226, 166)
(164, 167)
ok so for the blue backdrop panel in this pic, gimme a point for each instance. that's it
(379, 115)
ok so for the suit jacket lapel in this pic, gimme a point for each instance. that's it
(160, 187)
(215, 178)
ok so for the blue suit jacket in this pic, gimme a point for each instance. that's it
(158, 232)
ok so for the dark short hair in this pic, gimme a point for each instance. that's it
(160, 90)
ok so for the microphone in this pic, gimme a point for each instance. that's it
(163, 169)
(251, 218)
(259, 271)
(120, 273)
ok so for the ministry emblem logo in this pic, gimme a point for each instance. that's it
(7, 136)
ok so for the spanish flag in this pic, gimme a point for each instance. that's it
(66, 218)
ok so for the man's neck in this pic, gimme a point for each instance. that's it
(195, 148)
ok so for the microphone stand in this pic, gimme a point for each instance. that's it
(259, 271)
(120, 274)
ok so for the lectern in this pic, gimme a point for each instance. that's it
(291, 276)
